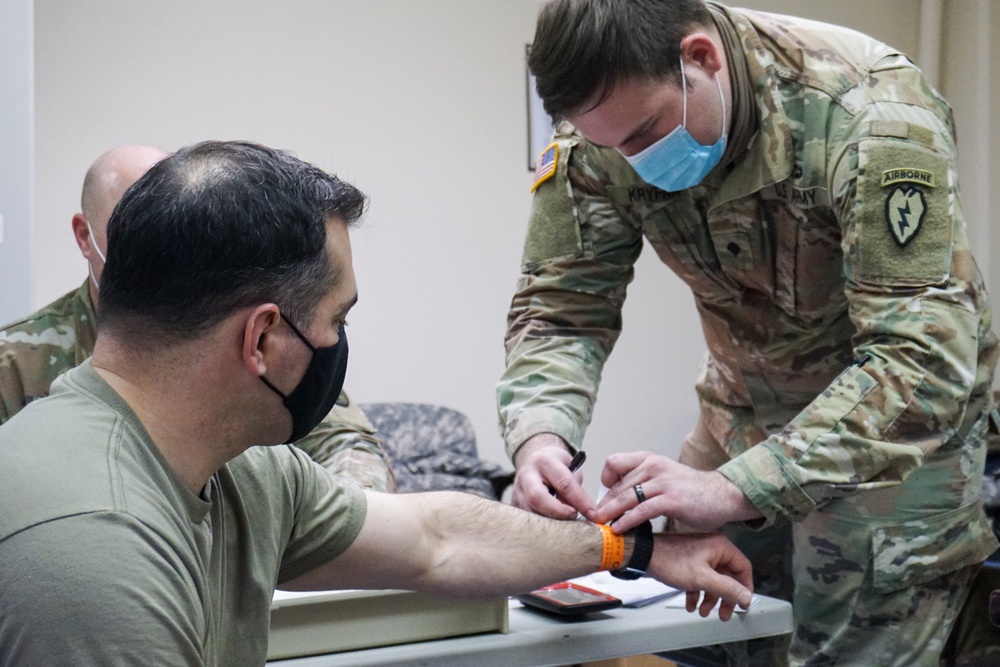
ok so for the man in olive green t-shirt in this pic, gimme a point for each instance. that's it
(144, 523)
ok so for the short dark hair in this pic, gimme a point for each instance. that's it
(582, 48)
(216, 227)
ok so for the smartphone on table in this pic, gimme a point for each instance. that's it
(569, 599)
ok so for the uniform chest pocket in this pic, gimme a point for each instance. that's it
(808, 261)
(735, 250)
(740, 243)
(676, 227)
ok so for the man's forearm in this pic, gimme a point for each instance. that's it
(458, 544)
(519, 550)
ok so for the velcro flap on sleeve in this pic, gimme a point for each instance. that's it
(553, 228)
(904, 214)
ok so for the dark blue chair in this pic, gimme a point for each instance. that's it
(433, 448)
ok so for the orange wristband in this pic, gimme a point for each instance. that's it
(613, 555)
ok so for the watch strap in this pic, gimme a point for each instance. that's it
(642, 553)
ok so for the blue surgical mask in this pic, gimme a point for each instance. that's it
(677, 161)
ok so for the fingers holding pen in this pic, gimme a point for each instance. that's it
(545, 484)
(574, 465)
(565, 483)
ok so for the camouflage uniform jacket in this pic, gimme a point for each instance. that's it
(836, 236)
(39, 348)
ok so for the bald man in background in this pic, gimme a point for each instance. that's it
(40, 347)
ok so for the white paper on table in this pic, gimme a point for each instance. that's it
(633, 593)
(642, 591)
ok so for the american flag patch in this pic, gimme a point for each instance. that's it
(545, 166)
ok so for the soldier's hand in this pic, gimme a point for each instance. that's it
(701, 500)
(543, 467)
(708, 567)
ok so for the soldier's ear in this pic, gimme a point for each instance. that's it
(258, 343)
(698, 50)
(82, 235)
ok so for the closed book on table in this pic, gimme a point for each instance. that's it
(334, 621)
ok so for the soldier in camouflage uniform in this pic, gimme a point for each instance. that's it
(42, 346)
(811, 203)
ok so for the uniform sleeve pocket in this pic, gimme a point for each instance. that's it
(837, 401)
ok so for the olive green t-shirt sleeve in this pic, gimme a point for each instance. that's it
(327, 515)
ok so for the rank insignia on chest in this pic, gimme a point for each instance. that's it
(905, 209)
(545, 166)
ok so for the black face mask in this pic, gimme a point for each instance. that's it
(319, 388)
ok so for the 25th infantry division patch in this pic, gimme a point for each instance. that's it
(905, 210)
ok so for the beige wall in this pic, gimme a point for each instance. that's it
(422, 105)
(16, 158)
(970, 66)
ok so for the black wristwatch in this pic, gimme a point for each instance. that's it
(642, 552)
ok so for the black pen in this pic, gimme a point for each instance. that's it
(574, 464)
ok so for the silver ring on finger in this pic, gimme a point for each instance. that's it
(639, 493)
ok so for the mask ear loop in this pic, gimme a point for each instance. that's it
(684, 89)
(298, 333)
(723, 99)
(93, 242)
(305, 340)
(93, 278)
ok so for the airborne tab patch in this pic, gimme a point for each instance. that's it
(919, 176)
(905, 209)
(545, 166)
